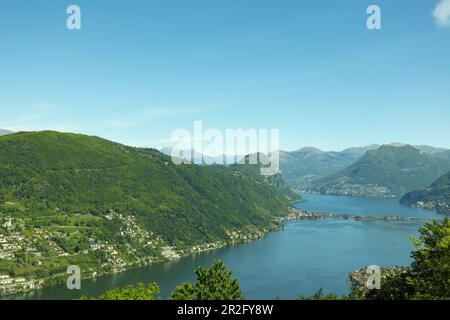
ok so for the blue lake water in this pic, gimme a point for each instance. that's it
(304, 257)
(361, 206)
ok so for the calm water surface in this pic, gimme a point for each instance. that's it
(305, 256)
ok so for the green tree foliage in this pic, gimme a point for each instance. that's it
(138, 292)
(431, 267)
(185, 291)
(429, 274)
(394, 286)
(215, 283)
(319, 295)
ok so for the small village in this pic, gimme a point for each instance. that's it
(35, 247)
(42, 244)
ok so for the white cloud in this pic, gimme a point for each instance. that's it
(442, 13)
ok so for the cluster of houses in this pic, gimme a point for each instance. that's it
(13, 240)
(9, 285)
(131, 229)
(441, 206)
(244, 236)
(9, 241)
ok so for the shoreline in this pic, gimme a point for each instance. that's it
(294, 214)
(236, 238)
(297, 214)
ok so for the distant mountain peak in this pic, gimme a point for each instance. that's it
(397, 145)
(5, 132)
(309, 150)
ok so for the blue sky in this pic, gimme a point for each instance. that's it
(138, 70)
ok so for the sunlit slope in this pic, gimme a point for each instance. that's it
(51, 173)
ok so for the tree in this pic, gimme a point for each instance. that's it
(319, 295)
(186, 291)
(138, 292)
(215, 283)
(428, 277)
(431, 266)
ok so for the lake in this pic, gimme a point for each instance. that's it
(304, 257)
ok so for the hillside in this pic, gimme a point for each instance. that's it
(84, 200)
(302, 167)
(391, 170)
(275, 180)
(436, 197)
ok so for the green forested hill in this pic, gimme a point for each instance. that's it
(436, 197)
(275, 180)
(49, 172)
(389, 170)
(82, 193)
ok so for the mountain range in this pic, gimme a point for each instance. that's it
(373, 170)
(301, 167)
(391, 170)
(193, 156)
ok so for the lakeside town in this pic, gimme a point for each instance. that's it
(15, 242)
(18, 243)
(343, 188)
